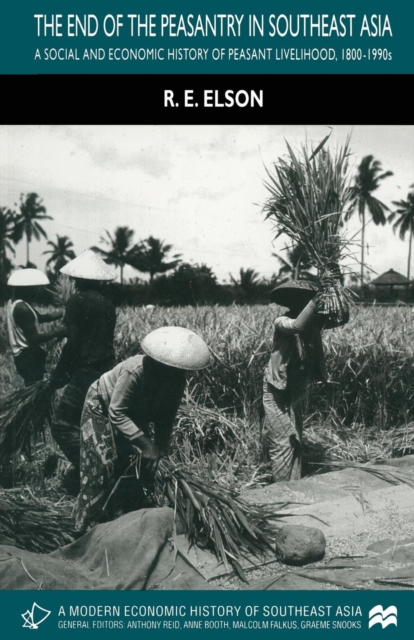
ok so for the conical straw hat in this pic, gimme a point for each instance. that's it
(88, 266)
(28, 278)
(177, 347)
(293, 291)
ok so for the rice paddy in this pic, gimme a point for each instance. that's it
(366, 412)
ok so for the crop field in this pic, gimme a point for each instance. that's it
(366, 412)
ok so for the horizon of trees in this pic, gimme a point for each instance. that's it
(154, 257)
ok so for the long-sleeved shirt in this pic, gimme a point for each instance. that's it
(297, 351)
(134, 398)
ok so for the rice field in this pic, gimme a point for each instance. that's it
(365, 413)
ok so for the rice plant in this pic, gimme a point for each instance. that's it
(309, 193)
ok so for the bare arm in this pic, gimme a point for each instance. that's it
(50, 317)
(299, 324)
(26, 321)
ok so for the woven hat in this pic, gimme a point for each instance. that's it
(177, 347)
(293, 292)
(88, 266)
(28, 278)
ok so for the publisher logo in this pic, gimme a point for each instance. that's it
(35, 617)
(381, 616)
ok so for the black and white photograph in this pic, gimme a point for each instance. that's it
(206, 357)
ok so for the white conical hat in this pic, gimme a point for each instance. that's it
(177, 347)
(28, 278)
(88, 266)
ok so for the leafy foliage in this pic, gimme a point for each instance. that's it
(61, 252)
(152, 256)
(403, 219)
(119, 247)
(368, 180)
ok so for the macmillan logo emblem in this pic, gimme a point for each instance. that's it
(35, 617)
(384, 617)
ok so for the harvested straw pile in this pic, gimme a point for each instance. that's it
(31, 524)
(214, 517)
(309, 193)
(23, 414)
(325, 444)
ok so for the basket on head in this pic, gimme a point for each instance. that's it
(177, 347)
(294, 292)
(88, 266)
(28, 278)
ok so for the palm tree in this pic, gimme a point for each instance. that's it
(295, 264)
(31, 210)
(7, 231)
(60, 253)
(248, 280)
(119, 248)
(405, 222)
(368, 180)
(151, 255)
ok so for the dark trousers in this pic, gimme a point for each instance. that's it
(66, 424)
(31, 364)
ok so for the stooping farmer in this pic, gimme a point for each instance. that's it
(297, 358)
(23, 324)
(89, 351)
(132, 409)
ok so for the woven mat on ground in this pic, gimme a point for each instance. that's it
(134, 552)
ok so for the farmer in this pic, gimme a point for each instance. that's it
(88, 353)
(297, 357)
(23, 325)
(132, 409)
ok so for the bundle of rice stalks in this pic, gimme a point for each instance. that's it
(33, 525)
(62, 289)
(309, 193)
(214, 517)
(23, 414)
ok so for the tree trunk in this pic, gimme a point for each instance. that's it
(27, 251)
(122, 273)
(410, 239)
(2, 264)
(361, 206)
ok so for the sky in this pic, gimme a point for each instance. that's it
(199, 188)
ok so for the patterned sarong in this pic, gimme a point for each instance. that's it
(66, 425)
(104, 458)
(98, 455)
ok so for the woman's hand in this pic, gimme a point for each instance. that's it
(150, 453)
(326, 281)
